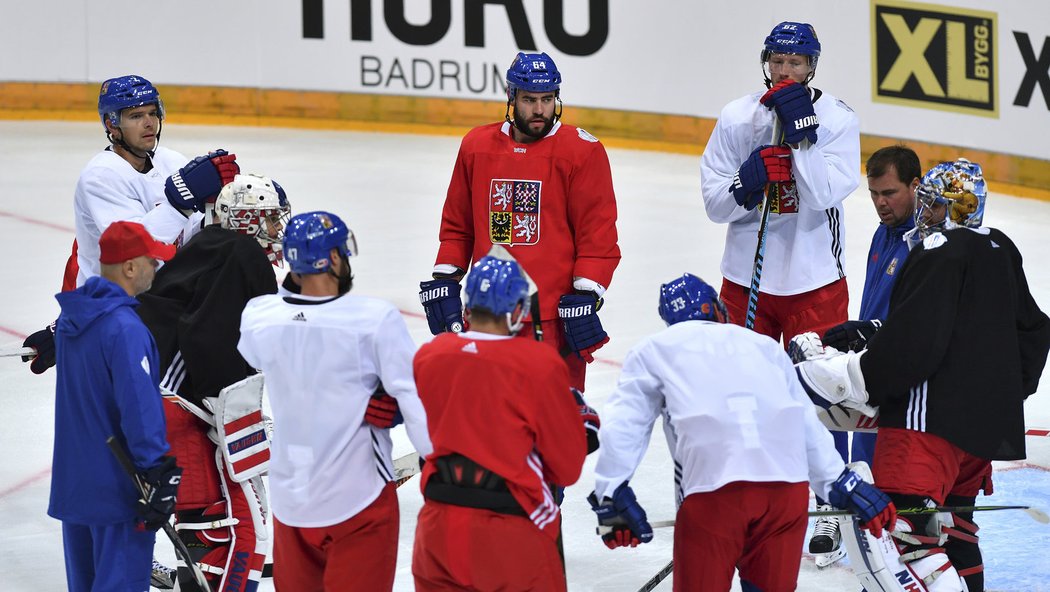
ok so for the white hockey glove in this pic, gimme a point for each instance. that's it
(836, 379)
(808, 346)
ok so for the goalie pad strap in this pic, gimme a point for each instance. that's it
(241, 428)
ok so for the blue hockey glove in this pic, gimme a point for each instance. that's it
(443, 305)
(766, 164)
(852, 335)
(591, 422)
(583, 328)
(794, 108)
(200, 181)
(43, 341)
(383, 411)
(162, 483)
(628, 521)
(874, 508)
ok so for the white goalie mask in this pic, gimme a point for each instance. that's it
(258, 207)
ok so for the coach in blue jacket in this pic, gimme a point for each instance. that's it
(107, 377)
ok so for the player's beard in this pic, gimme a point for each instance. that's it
(522, 124)
(346, 280)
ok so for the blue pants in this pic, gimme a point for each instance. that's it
(107, 558)
(863, 446)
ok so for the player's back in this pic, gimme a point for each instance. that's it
(728, 394)
(320, 355)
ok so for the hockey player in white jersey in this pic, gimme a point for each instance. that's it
(136, 179)
(746, 443)
(803, 285)
(324, 352)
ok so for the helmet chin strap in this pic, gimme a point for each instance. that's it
(120, 142)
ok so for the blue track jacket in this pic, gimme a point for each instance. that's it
(106, 384)
(885, 259)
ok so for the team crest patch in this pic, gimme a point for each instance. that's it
(514, 212)
(783, 198)
(585, 135)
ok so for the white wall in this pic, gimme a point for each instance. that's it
(672, 56)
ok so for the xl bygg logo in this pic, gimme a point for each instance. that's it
(936, 57)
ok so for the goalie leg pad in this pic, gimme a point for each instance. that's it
(241, 428)
(188, 437)
(907, 560)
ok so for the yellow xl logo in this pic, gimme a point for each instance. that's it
(934, 57)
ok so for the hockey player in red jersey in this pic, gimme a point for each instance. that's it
(194, 311)
(964, 344)
(746, 445)
(504, 425)
(324, 352)
(544, 190)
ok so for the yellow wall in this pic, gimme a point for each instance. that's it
(1016, 175)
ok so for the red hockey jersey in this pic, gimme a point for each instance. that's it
(505, 404)
(550, 202)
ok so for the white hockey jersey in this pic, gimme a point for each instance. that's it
(805, 240)
(733, 410)
(323, 358)
(110, 189)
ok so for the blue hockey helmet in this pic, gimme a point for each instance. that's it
(960, 187)
(310, 238)
(125, 92)
(796, 38)
(498, 286)
(532, 72)
(690, 298)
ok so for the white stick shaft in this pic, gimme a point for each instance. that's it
(11, 351)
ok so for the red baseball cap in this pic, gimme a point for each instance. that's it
(127, 240)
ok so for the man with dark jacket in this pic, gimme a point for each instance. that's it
(107, 385)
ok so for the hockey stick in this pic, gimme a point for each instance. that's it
(12, 350)
(1035, 514)
(659, 577)
(760, 250)
(180, 547)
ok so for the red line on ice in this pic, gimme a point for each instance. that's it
(25, 482)
(43, 223)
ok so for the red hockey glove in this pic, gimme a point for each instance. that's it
(383, 411)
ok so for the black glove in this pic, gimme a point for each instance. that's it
(162, 482)
(851, 335)
(43, 341)
(444, 307)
